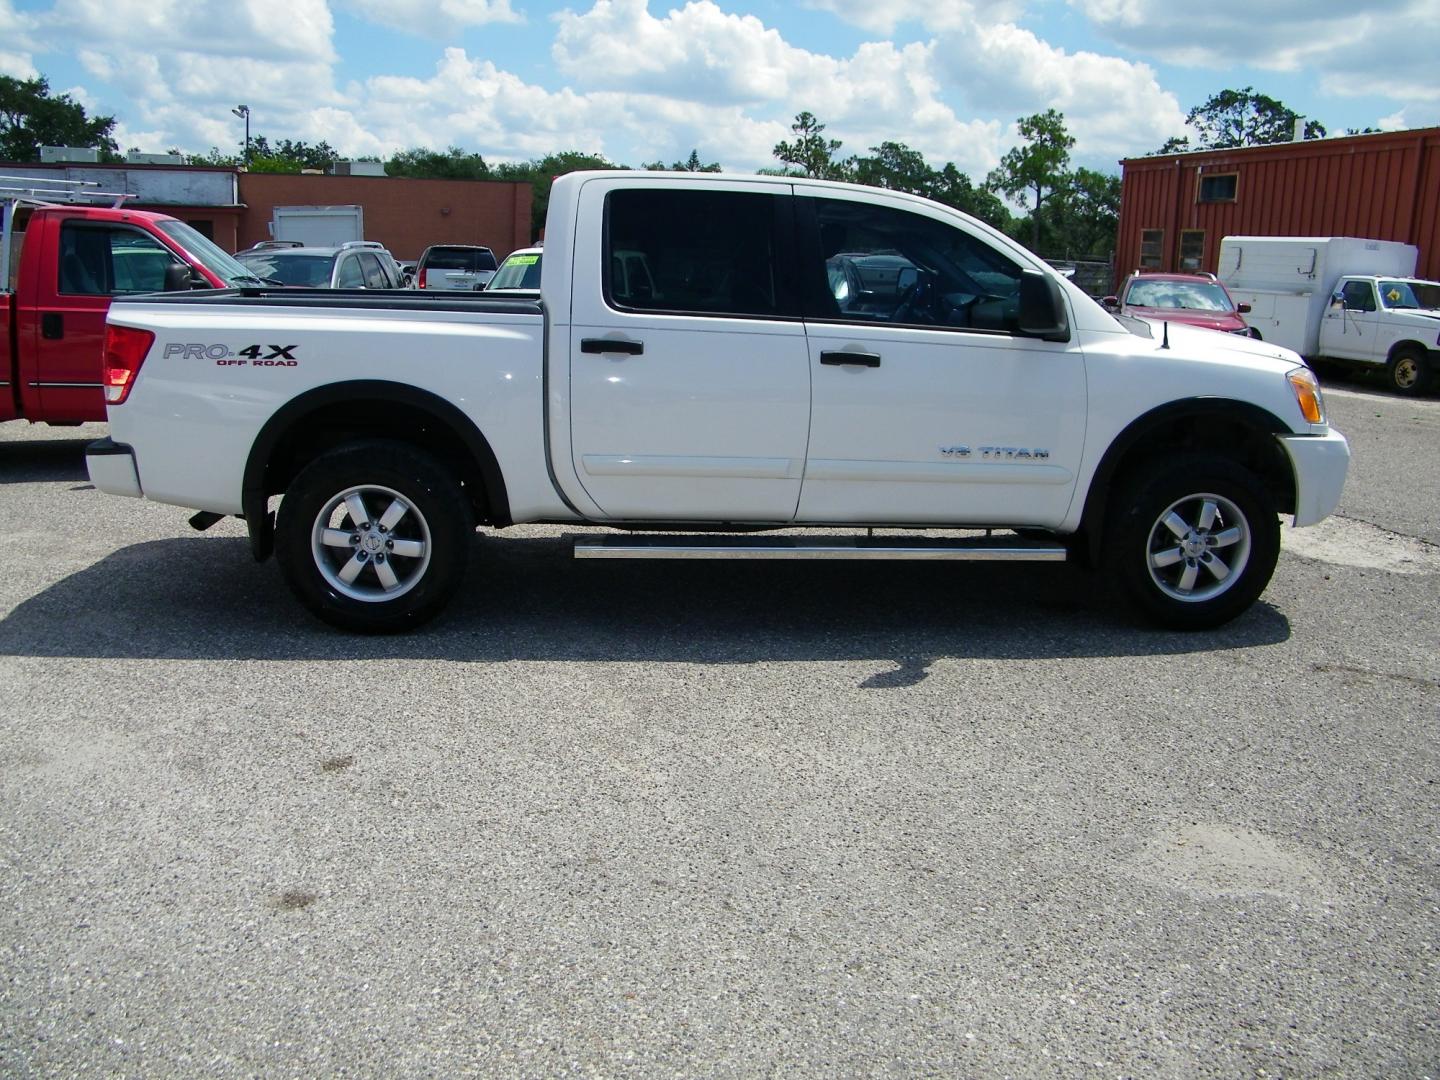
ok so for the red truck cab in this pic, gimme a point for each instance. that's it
(62, 264)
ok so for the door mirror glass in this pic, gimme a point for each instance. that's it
(1243, 309)
(1042, 307)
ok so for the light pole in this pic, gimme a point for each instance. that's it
(244, 112)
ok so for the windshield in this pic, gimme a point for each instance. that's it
(311, 271)
(518, 272)
(223, 266)
(1410, 294)
(1188, 295)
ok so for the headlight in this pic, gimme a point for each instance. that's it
(1307, 394)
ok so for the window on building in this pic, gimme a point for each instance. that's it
(203, 226)
(1192, 250)
(1152, 248)
(1218, 188)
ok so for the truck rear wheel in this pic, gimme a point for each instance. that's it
(1409, 371)
(1192, 542)
(374, 536)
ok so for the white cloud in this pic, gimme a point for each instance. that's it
(934, 15)
(1382, 48)
(707, 59)
(438, 19)
(1113, 107)
(697, 51)
(16, 45)
(273, 29)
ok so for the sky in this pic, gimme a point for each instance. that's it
(646, 80)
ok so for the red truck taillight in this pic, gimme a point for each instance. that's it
(125, 349)
(420, 281)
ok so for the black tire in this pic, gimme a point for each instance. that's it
(1208, 562)
(1408, 371)
(387, 574)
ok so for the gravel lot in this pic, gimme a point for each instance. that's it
(628, 819)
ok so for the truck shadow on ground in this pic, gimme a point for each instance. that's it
(35, 461)
(527, 599)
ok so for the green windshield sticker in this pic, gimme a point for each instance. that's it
(525, 260)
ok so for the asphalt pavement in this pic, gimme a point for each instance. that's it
(753, 819)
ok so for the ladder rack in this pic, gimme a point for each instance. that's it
(18, 191)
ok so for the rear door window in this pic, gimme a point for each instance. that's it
(694, 252)
(351, 275)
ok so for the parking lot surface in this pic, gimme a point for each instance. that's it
(628, 819)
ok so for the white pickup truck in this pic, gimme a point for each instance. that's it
(794, 354)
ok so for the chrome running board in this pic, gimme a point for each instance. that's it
(978, 549)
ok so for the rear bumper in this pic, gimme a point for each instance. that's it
(1319, 463)
(111, 466)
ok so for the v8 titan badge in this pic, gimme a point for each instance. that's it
(224, 356)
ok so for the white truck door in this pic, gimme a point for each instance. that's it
(928, 405)
(689, 377)
(1348, 330)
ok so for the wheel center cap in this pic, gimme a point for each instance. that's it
(372, 543)
(1194, 546)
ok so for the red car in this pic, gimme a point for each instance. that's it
(1193, 299)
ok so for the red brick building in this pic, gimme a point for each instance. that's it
(405, 215)
(1176, 208)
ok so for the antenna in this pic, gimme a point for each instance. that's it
(1165, 343)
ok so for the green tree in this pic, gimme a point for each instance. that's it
(811, 154)
(1232, 118)
(954, 188)
(453, 164)
(1084, 217)
(290, 156)
(690, 164)
(1033, 172)
(541, 173)
(897, 167)
(30, 117)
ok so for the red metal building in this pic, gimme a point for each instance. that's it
(1176, 208)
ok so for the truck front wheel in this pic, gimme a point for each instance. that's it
(373, 536)
(1192, 542)
(1409, 371)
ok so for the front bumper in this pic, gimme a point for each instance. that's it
(1319, 463)
(111, 466)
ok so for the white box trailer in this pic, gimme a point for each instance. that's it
(318, 226)
(1289, 281)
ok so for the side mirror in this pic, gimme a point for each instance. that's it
(1243, 309)
(1111, 303)
(1337, 300)
(1042, 307)
(177, 277)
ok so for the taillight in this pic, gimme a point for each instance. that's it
(420, 281)
(125, 349)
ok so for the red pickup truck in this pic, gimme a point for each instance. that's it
(60, 264)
